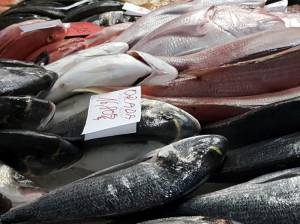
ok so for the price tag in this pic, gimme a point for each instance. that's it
(41, 25)
(135, 10)
(114, 113)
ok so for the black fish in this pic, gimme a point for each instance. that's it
(270, 121)
(32, 153)
(162, 177)
(25, 112)
(270, 199)
(25, 80)
(260, 158)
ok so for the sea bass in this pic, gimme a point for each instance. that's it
(206, 28)
(160, 16)
(161, 177)
(272, 198)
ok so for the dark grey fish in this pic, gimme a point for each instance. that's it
(32, 153)
(25, 112)
(270, 199)
(162, 177)
(160, 121)
(189, 220)
(260, 158)
(25, 80)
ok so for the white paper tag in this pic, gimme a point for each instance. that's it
(135, 10)
(41, 25)
(280, 6)
(114, 113)
(73, 5)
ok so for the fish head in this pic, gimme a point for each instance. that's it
(192, 153)
(166, 122)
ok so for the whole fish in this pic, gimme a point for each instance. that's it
(203, 29)
(112, 70)
(25, 80)
(262, 157)
(63, 65)
(25, 112)
(273, 120)
(40, 154)
(275, 72)
(189, 220)
(272, 198)
(162, 177)
(212, 109)
(158, 17)
(71, 114)
(249, 46)
(16, 187)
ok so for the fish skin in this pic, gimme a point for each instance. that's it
(65, 64)
(168, 175)
(109, 70)
(25, 80)
(260, 158)
(41, 153)
(16, 187)
(189, 220)
(242, 130)
(158, 17)
(272, 198)
(254, 44)
(206, 28)
(19, 45)
(25, 112)
(70, 118)
(95, 7)
(258, 76)
(211, 109)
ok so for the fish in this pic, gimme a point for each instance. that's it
(122, 70)
(260, 158)
(197, 30)
(17, 45)
(212, 109)
(271, 73)
(106, 34)
(94, 8)
(190, 220)
(25, 80)
(158, 17)
(25, 112)
(272, 198)
(161, 177)
(273, 120)
(249, 46)
(41, 153)
(111, 18)
(17, 188)
(65, 64)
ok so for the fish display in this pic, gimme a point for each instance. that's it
(262, 157)
(190, 220)
(24, 79)
(272, 198)
(25, 112)
(170, 169)
(42, 153)
(241, 129)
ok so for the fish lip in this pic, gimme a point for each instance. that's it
(46, 120)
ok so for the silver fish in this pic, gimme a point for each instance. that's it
(161, 177)
(160, 16)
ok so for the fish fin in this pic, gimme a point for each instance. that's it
(118, 167)
(98, 90)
